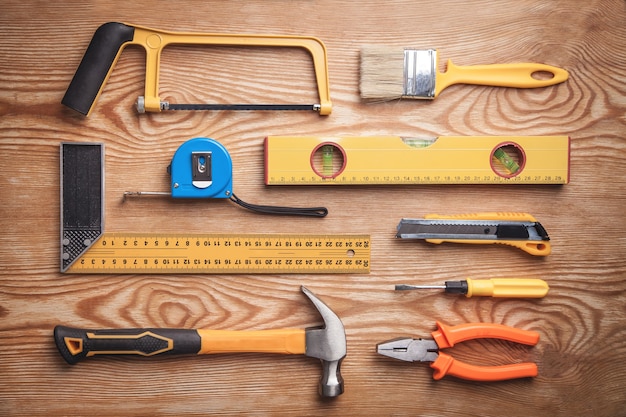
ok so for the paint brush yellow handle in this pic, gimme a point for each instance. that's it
(499, 75)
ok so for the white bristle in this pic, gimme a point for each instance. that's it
(391, 73)
(382, 73)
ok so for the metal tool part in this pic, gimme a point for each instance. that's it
(82, 195)
(478, 229)
(111, 38)
(406, 287)
(408, 349)
(427, 350)
(516, 229)
(419, 67)
(326, 343)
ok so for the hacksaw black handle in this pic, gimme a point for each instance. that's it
(77, 344)
(97, 63)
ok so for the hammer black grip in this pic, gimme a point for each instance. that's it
(97, 62)
(76, 344)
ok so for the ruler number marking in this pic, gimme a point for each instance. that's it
(245, 253)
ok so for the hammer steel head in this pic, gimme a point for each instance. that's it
(328, 344)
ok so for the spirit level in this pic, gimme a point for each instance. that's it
(308, 160)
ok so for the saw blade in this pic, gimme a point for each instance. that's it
(242, 107)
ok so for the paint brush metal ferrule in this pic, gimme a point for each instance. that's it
(420, 73)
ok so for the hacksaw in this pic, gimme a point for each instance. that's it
(350, 160)
(111, 38)
(87, 248)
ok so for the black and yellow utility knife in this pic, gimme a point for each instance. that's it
(515, 229)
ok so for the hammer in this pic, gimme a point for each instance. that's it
(327, 343)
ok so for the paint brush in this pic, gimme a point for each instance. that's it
(389, 73)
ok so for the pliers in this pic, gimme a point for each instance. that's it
(426, 350)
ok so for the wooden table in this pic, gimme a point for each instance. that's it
(581, 321)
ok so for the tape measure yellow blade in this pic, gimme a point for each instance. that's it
(309, 160)
(225, 253)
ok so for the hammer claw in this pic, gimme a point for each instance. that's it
(328, 344)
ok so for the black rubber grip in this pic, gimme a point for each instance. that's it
(76, 344)
(82, 190)
(506, 231)
(456, 287)
(96, 65)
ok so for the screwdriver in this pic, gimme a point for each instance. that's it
(498, 287)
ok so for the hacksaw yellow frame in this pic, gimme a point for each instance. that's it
(153, 41)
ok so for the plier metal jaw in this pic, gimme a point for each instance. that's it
(410, 350)
(427, 350)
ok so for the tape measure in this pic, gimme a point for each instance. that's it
(124, 253)
(307, 160)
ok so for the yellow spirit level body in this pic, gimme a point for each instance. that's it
(350, 160)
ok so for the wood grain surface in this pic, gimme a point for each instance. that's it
(582, 321)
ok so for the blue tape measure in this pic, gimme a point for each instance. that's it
(201, 168)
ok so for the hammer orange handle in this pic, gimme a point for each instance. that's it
(286, 341)
(448, 336)
(77, 344)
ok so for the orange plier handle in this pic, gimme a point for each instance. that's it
(447, 336)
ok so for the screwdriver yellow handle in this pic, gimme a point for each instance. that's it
(507, 287)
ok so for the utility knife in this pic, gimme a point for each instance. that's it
(515, 229)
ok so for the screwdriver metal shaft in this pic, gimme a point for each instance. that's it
(497, 287)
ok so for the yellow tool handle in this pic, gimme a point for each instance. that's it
(507, 287)
(499, 75)
(542, 248)
(286, 341)
(502, 216)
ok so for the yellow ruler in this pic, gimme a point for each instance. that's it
(224, 253)
(303, 160)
